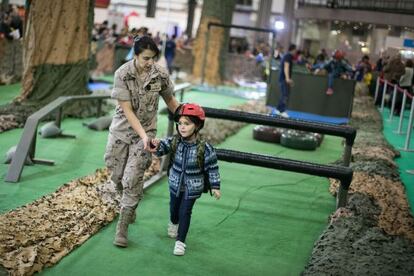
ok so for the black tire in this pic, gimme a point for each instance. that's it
(267, 134)
(299, 140)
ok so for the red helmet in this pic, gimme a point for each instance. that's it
(191, 109)
(338, 54)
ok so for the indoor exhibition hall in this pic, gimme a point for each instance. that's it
(207, 137)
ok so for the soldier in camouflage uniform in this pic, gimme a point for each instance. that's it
(137, 87)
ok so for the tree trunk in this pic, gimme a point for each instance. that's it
(4, 5)
(263, 20)
(216, 11)
(56, 50)
(190, 17)
(288, 18)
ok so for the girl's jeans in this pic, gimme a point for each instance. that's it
(180, 213)
(331, 77)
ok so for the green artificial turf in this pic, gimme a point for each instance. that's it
(9, 92)
(74, 157)
(265, 223)
(406, 161)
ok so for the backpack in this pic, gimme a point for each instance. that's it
(201, 148)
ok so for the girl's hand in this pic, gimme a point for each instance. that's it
(216, 193)
(154, 145)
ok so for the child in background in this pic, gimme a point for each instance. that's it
(337, 67)
(193, 164)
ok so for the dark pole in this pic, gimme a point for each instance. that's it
(288, 17)
(263, 19)
(192, 4)
(4, 5)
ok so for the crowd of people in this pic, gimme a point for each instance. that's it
(11, 23)
(393, 69)
(103, 34)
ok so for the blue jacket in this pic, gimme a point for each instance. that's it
(338, 67)
(185, 169)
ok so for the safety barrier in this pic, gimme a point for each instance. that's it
(343, 174)
(397, 89)
(346, 132)
(27, 143)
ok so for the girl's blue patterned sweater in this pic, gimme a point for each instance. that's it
(185, 169)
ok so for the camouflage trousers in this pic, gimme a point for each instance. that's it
(127, 163)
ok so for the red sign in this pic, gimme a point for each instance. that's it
(102, 3)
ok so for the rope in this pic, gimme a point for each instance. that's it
(399, 89)
(256, 189)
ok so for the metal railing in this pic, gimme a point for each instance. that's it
(26, 146)
(395, 90)
(342, 173)
(346, 132)
(393, 6)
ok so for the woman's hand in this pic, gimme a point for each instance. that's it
(216, 193)
(146, 142)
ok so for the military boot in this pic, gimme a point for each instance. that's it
(121, 236)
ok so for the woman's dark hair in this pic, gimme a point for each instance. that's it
(409, 63)
(142, 43)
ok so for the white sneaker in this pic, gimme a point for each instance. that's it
(172, 230)
(284, 114)
(179, 248)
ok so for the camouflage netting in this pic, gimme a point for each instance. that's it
(374, 234)
(8, 122)
(211, 71)
(65, 32)
(216, 130)
(214, 54)
(39, 234)
(353, 244)
(10, 61)
(57, 64)
(394, 217)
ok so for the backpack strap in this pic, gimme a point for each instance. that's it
(201, 149)
(174, 144)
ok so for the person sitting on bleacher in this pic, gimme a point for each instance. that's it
(337, 67)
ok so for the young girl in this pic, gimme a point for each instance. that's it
(189, 171)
